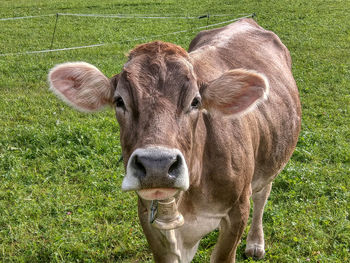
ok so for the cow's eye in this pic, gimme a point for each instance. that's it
(196, 103)
(119, 103)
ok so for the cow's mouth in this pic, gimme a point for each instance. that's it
(157, 193)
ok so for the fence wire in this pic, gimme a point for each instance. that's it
(127, 40)
(123, 16)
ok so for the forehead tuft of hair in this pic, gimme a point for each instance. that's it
(158, 48)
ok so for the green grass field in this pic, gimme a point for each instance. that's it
(60, 197)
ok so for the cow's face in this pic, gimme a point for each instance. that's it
(157, 103)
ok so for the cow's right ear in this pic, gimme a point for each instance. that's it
(81, 85)
(234, 93)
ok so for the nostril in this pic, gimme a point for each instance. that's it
(139, 166)
(174, 168)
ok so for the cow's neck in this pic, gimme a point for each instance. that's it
(196, 165)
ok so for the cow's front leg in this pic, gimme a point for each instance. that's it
(255, 241)
(231, 230)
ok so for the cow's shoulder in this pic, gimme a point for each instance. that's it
(214, 36)
(245, 33)
(242, 44)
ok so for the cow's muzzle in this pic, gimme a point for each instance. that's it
(154, 168)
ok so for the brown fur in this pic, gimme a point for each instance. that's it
(157, 47)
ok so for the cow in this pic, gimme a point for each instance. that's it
(209, 127)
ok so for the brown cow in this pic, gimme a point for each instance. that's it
(211, 126)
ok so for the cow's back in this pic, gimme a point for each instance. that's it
(273, 127)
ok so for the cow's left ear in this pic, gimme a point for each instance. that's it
(82, 86)
(235, 92)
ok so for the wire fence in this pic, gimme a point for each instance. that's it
(126, 40)
(24, 17)
(123, 16)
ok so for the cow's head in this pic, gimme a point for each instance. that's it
(158, 100)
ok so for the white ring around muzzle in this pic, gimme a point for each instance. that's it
(132, 182)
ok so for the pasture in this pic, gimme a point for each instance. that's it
(60, 180)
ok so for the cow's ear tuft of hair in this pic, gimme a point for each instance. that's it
(236, 92)
(81, 85)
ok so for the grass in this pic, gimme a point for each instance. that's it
(60, 197)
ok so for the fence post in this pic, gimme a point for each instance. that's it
(54, 32)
